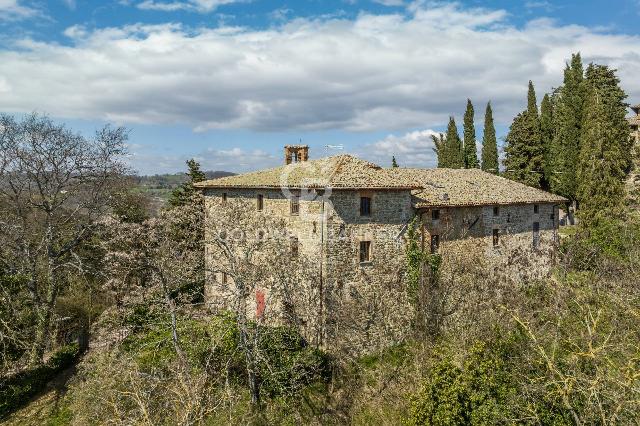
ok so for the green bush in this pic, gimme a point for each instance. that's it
(478, 393)
(285, 362)
(16, 390)
(153, 347)
(288, 364)
(607, 244)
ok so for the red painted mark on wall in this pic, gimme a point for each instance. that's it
(260, 304)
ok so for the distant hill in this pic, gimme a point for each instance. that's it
(170, 181)
(158, 187)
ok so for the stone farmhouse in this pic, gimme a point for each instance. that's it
(634, 123)
(351, 216)
(634, 176)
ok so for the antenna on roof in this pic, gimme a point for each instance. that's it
(328, 147)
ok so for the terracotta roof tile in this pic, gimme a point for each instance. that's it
(341, 171)
(430, 187)
(471, 187)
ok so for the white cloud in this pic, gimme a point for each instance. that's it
(145, 160)
(543, 5)
(202, 6)
(390, 2)
(413, 149)
(71, 4)
(374, 72)
(13, 10)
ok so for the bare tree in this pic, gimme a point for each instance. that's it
(54, 187)
(156, 257)
(255, 251)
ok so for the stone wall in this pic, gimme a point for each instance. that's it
(364, 306)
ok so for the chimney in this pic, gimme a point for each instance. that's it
(296, 153)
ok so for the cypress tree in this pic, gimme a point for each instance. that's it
(394, 163)
(453, 147)
(604, 159)
(470, 152)
(567, 119)
(546, 134)
(184, 194)
(489, 143)
(439, 143)
(524, 150)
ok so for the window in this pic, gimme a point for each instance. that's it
(435, 243)
(365, 206)
(496, 211)
(365, 251)
(536, 209)
(496, 237)
(435, 214)
(224, 197)
(536, 234)
(295, 204)
(260, 202)
(294, 246)
(224, 278)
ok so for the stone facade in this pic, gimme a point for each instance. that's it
(633, 182)
(348, 218)
(363, 305)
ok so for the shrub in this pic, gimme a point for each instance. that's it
(287, 363)
(607, 244)
(477, 393)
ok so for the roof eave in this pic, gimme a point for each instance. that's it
(500, 203)
(333, 188)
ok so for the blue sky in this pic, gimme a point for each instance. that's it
(230, 82)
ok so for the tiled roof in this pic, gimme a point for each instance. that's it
(341, 171)
(634, 121)
(470, 187)
(430, 187)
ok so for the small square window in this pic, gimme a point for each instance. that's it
(536, 209)
(295, 204)
(365, 206)
(496, 237)
(260, 202)
(435, 214)
(294, 247)
(435, 243)
(536, 234)
(365, 251)
(224, 197)
(496, 211)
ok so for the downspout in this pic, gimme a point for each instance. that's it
(422, 230)
(321, 290)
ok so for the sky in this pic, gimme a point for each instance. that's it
(230, 82)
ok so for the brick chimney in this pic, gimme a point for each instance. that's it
(296, 153)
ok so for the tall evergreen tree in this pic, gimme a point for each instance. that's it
(489, 143)
(453, 147)
(184, 194)
(546, 134)
(439, 143)
(604, 159)
(470, 152)
(524, 150)
(394, 163)
(567, 122)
